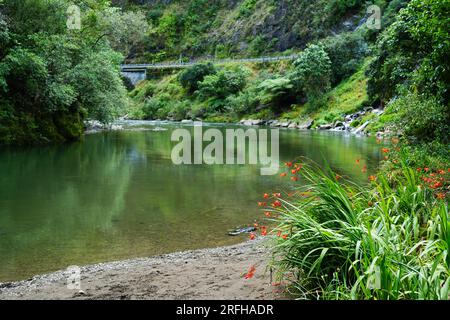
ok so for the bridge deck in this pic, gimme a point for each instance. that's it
(176, 65)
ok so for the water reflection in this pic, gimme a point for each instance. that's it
(117, 195)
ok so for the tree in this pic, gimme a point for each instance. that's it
(312, 71)
(124, 30)
(191, 77)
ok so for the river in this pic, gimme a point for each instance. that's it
(117, 195)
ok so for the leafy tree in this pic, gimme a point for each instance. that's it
(124, 30)
(413, 52)
(191, 77)
(51, 78)
(312, 72)
(346, 52)
(223, 83)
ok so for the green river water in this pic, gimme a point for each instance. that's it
(117, 195)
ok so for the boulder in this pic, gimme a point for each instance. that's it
(327, 126)
(186, 121)
(306, 125)
(293, 125)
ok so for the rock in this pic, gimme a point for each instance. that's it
(94, 125)
(186, 121)
(306, 125)
(285, 124)
(293, 125)
(115, 127)
(339, 124)
(275, 123)
(239, 231)
(360, 129)
(378, 111)
(325, 127)
(257, 122)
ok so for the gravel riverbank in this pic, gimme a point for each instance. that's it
(216, 273)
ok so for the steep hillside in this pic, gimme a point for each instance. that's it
(226, 28)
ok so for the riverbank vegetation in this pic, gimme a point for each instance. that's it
(388, 240)
(52, 77)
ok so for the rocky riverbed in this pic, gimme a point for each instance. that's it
(346, 125)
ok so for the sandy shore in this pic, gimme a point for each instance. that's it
(200, 274)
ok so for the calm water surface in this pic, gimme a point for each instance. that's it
(117, 195)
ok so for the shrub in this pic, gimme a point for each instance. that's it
(346, 52)
(224, 83)
(312, 71)
(276, 91)
(191, 77)
(422, 118)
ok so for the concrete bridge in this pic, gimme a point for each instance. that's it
(138, 72)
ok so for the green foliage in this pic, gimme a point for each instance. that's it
(276, 91)
(191, 77)
(225, 82)
(247, 7)
(124, 30)
(420, 117)
(413, 52)
(52, 78)
(388, 241)
(313, 71)
(346, 52)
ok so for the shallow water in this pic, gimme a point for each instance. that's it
(117, 195)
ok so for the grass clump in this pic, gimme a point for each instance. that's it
(388, 240)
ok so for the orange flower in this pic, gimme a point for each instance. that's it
(266, 196)
(364, 169)
(267, 213)
(283, 174)
(294, 178)
(250, 273)
(252, 236)
(419, 169)
(370, 203)
(440, 196)
(284, 236)
(263, 231)
(385, 150)
(426, 169)
(357, 161)
(338, 177)
(288, 164)
(276, 204)
(255, 225)
(386, 157)
(372, 178)
(279, 234)
(277, 195)
(262, 204)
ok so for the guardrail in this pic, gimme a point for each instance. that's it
(172, 65)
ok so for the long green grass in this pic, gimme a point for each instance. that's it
(388, 240)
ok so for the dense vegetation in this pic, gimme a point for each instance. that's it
(53, 77)
(387, 240)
